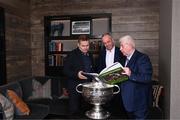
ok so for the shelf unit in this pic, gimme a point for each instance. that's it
(61, 33)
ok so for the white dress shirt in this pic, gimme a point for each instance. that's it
(110, 56)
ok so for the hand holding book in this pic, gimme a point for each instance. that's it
(110, 75)
(126, 71)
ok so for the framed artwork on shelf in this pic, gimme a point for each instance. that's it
(60, 28)
(81, 27)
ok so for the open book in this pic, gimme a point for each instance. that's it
(110, 75)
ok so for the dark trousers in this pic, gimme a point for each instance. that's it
(77, 104)
(115, 106)
(74, 102)
(139, 114)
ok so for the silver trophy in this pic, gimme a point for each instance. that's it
(97, 93)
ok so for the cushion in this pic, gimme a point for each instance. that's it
(21, 107)
(41, 90)
(8, 108)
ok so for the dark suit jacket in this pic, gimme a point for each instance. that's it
(136, 92)
(72, 65)
(102, 58)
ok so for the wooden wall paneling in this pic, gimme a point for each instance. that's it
(139, 18)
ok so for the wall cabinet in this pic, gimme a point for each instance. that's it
(61, 33)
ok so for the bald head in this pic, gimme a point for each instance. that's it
(108, 41)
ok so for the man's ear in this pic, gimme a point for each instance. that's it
(78, 44)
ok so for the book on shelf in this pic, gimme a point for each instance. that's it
(51, 60)
(95, 45)
(55, 45)
(111, 75)
(56, 60)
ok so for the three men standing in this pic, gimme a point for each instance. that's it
(135, 93)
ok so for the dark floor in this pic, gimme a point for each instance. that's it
(116, 110)
(113, 107)
(83, 117)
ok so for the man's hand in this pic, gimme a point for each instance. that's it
(81, 76)
(126, 71)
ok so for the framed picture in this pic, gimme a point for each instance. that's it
(60, 28)
(81, 27)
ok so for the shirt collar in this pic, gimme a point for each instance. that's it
(129, 56)
(111, 49)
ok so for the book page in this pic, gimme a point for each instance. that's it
(113, 74)
(112, 67)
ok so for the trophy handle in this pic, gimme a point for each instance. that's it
(77, 88)
(118, 89)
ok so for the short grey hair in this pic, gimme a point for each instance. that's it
(127, 39)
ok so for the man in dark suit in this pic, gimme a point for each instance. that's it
(136, 92)
(78, 60)
(109, 55)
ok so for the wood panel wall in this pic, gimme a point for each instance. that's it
(139, 18)
(25, 28)
(17, 37)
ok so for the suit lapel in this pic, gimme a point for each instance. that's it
(116, 56)
(133, 58)
(104, 57)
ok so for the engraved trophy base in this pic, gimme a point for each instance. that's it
(97, 113)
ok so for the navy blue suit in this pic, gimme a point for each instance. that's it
(136, 92)
(102, 58)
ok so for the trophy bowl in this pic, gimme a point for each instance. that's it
(97, 93)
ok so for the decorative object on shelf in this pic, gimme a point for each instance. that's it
(57, 28)
(81, 27)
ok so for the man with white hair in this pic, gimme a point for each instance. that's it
(136, 92)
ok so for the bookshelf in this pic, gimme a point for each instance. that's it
(61, 33)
